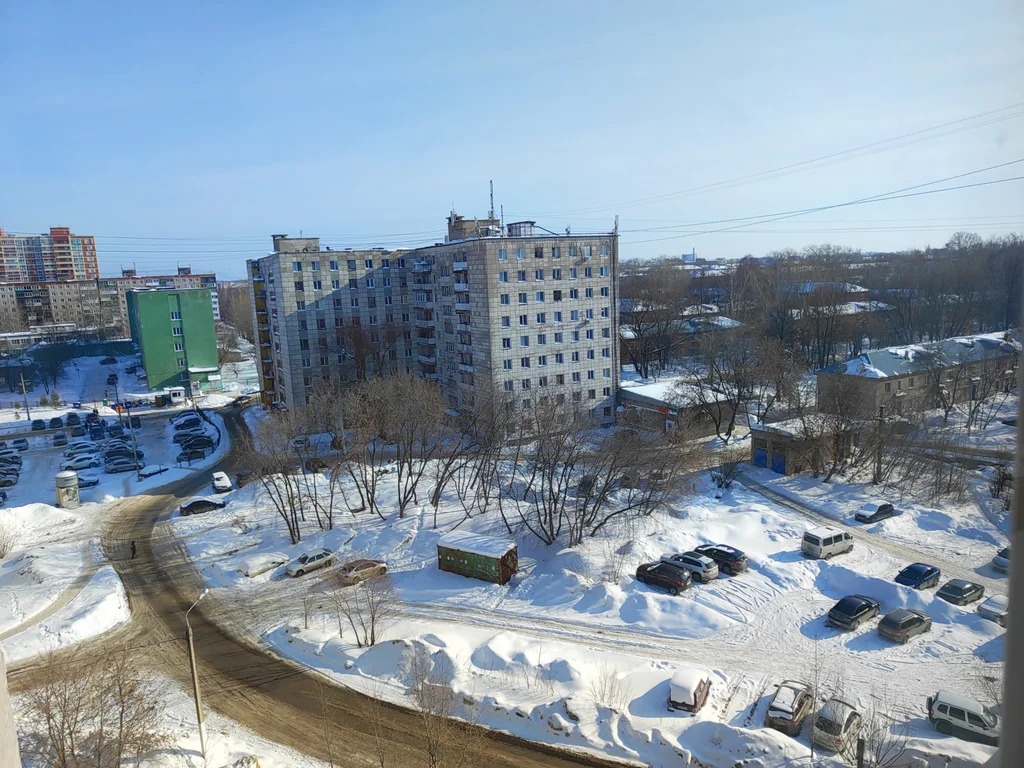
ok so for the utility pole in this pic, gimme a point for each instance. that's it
(195, 675)
(878, 451)
(135, 450)
(24, 394)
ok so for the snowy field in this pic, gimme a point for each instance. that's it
(536, 653)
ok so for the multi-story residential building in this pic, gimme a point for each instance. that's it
(177, 338)
(59, 255)
(518, 309)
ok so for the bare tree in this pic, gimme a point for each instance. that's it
(369, 607)
(655, 302)
(885, 731)
(448, 742)
(730, 462)
(7, 541)
(269, 454)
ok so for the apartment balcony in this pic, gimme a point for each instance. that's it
(463, 327)
(421, 267)
(420, 322)
(427, 359)
(461, 287)
(463, 306)
(467, 348)
(264, 327)
(466, 367)
(430, 375)
(427, 341)
(460, 266)
(423, 300)
(261, 311)
(261, 295)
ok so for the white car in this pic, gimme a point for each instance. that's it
(88, 480)
(996, 608)
(1001, 562)
(701, 566)
(88, 461)
(80, 450)
(310, 561)
(221, 482)
(836, 726)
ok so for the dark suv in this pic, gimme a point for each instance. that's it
(670, 578)
(38, 425)
(961, 591)
(852, 611)
(730, 560)
(902, 624)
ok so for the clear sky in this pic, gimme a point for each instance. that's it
(365, 122)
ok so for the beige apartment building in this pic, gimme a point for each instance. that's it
(516, 308)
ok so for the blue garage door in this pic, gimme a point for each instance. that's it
(779, 463)
(760, 457)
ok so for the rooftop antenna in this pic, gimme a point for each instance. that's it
(503, 218)
(492, 200)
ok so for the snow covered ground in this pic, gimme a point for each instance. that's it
(530, 654)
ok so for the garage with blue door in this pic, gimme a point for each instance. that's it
(790, 446)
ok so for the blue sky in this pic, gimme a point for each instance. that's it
(222, 123)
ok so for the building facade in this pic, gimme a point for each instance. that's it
(60, 255)
(177, 339)
(516, 309)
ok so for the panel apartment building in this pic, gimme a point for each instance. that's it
(519, 309)
(59, 255)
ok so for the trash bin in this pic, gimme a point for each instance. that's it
(105, 402)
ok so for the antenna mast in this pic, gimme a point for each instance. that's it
(492, 199)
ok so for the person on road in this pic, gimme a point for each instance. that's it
(133, 549)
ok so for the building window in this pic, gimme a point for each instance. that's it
(604, 250)
(589, 293)
(315, 266)
(542, 360)
(526, 383)
(368, 263)
(334, 266)
(559, 357)
(574, 315)
(541, 318)
(590, 334)
(175, 315)
(507, 365)
(354, 301)
(335, 285)
(524, 341)
(557, 295)
(299, 286)
(574, 293)
(588, 272)
(385, 264)
(540, 297)
(502, 254)
(538, 274)
(508, 385)
(556, 274)
(521, 276)
(183, 376)
(572, 273)
(590, 354)
(181, 362)
(506, 342)
(888, 387)
(369, 282)
(504, 298)
(503, 277)
(176, 331)
(587, 250)
(351, 264)
(604, 271)
(524, 319)
(306, 363)
(605, 352)
(179, 347)
(296, 266)
(520, 254)
(506, 321)
(318, 285)
(524, 362)
(522, 298)
(606, 333)
(606, 392)
(576, 376)
(556, 252)
(352, 285)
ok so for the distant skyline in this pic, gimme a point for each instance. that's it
(189, 133)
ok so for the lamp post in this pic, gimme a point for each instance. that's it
(135, 449)
(195, 675)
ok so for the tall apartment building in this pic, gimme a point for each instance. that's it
(60, 255)
(519, 309)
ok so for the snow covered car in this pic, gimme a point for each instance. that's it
(874, 511)
(955, 714)
(671, 578)
(903, 623)
(198, 506)
(86, 461)
(309, 561)
(789, 707)
(919, 576)
(152, 469)
(60, 440)
(220, 482)
(836, 726)
(356, 571)
(88, 480)
(852, 611)
(730, 560)
(257, 564)
(996, 609)
(961, 591)
(688, 689)
(1001, 562)
(702, 567)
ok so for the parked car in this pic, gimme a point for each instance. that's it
(198, 441)
(242, 401)
(996, 609)
(20, 443)
(56, 422)
(3, 497)
(874, 511)
(189, 423)
(826, 542)
(131, 369)
(108, 361)
(919, 576)
(669, 577)
(86, 461)
(852, 611)
(120, 465)
(77, 431)
(702, 567)
(115, 430)
(221, 482)
(38, 425)
(309, 561)
(72, 419)
(199, 506)
(961, 591)
(192, 454)
(356, 571)
(964, 717)
(6, 481)
(152, 469)
(836, 726)
(261, 563)
(120, 453)
(729, 559)
(184, 435)
(1010, 422)
(688, 689)
(87, 480)
(789, 707)
(1001, 562)
(11, 461)
(96, 432)
(80, 444)
(135, 422)
(92, 418)
(60, 439)
(112, 379)
(903, 624)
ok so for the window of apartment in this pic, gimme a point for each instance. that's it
(183, 376)
(542, 338)
(351, 264)
(588, 272)
(387, 282)
(508, 385)
(541, 318)
(556, 252)
(558, 317)
(373, 319)
(303, 325)
(354, 301)
(334, 266)
(574, 315)
(371, 302)
(175, 315)
(339, 322)
(559, 357)
(520, 254)
(538, 274)
(315, 266)
(524, 362)
(576, 376)
(335, 285)
(590, 354)
(606, 333)
(526, 383)
(576, 356)
(587, 250)
(405, 317)
(558, 337)
(591, 394)
(590, 334)
(299, 285)
(179, 347)
(604, 292)
(524, 341)
(296, 266)
(368, 263)
(337, 303)
(556, 274)
(181, 362)
(604, 311)
(303, 343)
(560, 379)
(401, 263)
(503, 277)
(540, 297)
(502, 254)
(307, 363)
(176, 331)
(572, 273)
(387, 301)
(506, 342)
(385, 264)
(888, 386)
(352, 285)
(574, 293)
(603, 271)
(588, 293)
(575, 335)
(542, 360)
(521, 275)
(507, 365)
(522, 298)
(524, 319)
(590, 314)
(911, 384)
(556, 295)
(369, 282)
(318, 285)
(506, 321)
(504, 298)
(605, 352)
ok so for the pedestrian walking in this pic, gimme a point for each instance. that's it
(133, 549)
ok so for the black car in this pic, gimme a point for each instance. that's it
(112, 379)
(730, 560)
(961, 591)
(72, 419)
(92, 418)
(96, 433)
(670, 578)
(56, 422)
(874, 511)
(199, 506)
(902, 624)
(199, 441)
(108, 361)
(852, 611)
(187, 424)
(193, 454)
(38, 425)
(131, 369)
(135, 422)
(78, 431)
(115, 430)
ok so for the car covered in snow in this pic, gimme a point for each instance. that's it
(852, 611)
(77, 431)
(671, 578)
(86, 461)
(730, 560)
(873, 511)
(789, 707)
(919, 576)
(688, 689)
(825, 542)
(309, 561)
(356, 571)
(961, 591)
(152, 469)
(87, 480)
(261, 563)
(198, 506)
(836, 726)
(1001, 562)
(903, 624)
(184, 425)
(220, 482)
(702, 567)
(77, 449)
(60, 439)
(958, 715)
(996, 609)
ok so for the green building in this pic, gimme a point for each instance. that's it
(176, 337)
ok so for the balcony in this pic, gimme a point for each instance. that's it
(431, 375)
(461, 287)
(463, 306)
(261, 295)
(466, 367)
(424, 300)
(427, 359)
(421, 267)
(420, 322)
(467, 348)
(460, 266)
(463, 327)
(427, 341)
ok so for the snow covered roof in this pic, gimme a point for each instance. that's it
(794, 427)
(685, 681)
(207, 369)
(900, 361)
(811, 287)
(672, 392)
(475, 543)
(849, 308)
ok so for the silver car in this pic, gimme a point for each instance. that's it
(310, 561)
(701, 566)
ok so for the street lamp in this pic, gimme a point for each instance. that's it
(195, 675)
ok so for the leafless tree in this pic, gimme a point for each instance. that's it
(269, 454)
(236, 309)
(369, 607)
(730, 462)
(655, 302)
(448, 742)
(7, 541)
(609, 688)
(885, 731)
(413, 425)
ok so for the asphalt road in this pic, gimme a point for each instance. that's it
(277, 699)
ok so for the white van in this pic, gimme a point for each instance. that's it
(964, 717)
(825, 542)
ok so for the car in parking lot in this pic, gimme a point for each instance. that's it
(197, 441)
(836, 726)
(961, 591)
(135, 422)
(10, 464)
(77, 431)
(874, 511)
(242, 401)
(120, 465)
(87, 480)
(6, 481)
(308, 561)
(150, 470)
(87, 461)
(184, 435)
(92, 418)
(958, 715)
(72, 419)
(702, 567)
(192, 454)
(38, 425)
(356, 571)
(120, 453)
(193, 422)
(688, 689)
(115, 430)
(669, 577)
(56, 423)
(198, 506)
(919, 576)
(789, 707)
(79, 445)
(112, 379)
(1001, 562)
(996, 609)
(220, 482)
(108, 361)
(825, 542)
(903, 624)
(96, 432)
(60, 439)
(20, 443)
(852, 611)
(730, 560)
